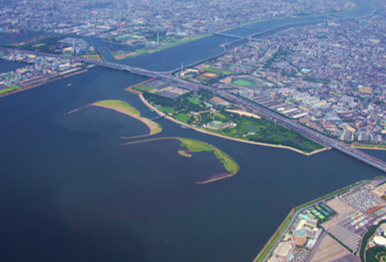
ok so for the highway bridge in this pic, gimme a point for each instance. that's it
(229, 35)
(253, 107)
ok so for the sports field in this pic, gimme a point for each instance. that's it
(243, 82)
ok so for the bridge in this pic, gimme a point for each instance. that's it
(255, 108)
(157, 117)
(229, 35)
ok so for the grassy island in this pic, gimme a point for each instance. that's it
(195, 146)
(125, 108)
(198, 146)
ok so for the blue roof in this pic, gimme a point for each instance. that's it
(300, 233)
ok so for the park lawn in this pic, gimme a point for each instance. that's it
(183, 117)
(143, 88)
(219, 116)
(11, 76)
(213, 70)
(9, 89)
(265, 132)
(169, 110)
(39, 45)
(376, 254)
(243, 82)
(194, 100)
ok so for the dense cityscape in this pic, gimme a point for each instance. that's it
(103, 18)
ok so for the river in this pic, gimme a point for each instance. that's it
(71, 192)
(67, 183)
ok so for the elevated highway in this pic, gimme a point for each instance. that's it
(251, 106)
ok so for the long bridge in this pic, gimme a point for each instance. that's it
(255, 108)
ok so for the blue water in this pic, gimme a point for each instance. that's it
(71, 192)
(7, 66)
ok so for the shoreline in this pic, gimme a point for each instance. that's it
(42, 83)
(153, 126)
(230, 138)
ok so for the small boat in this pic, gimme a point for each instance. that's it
(69, 84)
(185, 127)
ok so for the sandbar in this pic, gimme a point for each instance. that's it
(184, 153)
(125, 108)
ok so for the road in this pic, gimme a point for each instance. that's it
(242, 102)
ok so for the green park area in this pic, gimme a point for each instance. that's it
(142, 88)
(198, 146)
(125, 108)
(213, 70)
(243, 83)
(9, 89)
(193, 109)
(39, 45)
(260, 130)
(182, 106)
(43, 43)
(375, 254)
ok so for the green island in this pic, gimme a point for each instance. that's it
(196, 146)
(125, 108)
(206, 113)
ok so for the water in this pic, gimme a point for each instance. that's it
(7, 66)
(71, 192)
(171, 58)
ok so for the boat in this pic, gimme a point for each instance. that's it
(185, 127)
(69, 84)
